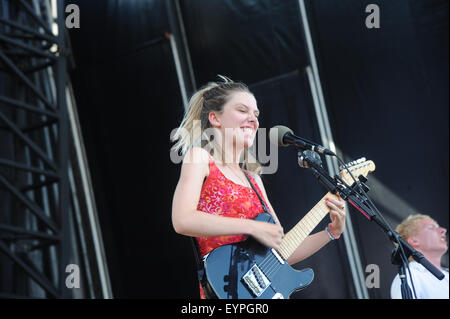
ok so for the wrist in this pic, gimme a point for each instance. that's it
(331, 232)
(250, 227)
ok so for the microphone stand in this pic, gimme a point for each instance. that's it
(397, 258)
(356, 196)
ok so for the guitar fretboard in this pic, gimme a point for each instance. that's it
(304, 227)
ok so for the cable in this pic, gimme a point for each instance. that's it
(374, 208)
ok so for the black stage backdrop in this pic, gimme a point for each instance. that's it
(387, 96)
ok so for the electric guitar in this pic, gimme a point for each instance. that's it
(250, 270)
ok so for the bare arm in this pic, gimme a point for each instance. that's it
(315, 242)
(312, 244)
(187, 220)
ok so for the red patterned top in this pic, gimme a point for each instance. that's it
(221, 196)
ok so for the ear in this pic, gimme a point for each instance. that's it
(413, 241)
(213, 119)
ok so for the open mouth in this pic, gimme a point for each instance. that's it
(247, 130)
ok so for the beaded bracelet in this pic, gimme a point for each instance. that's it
(332, 236)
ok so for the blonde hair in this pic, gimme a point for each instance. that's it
(209, 98)
(410, 226)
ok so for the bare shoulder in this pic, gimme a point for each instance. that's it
(196, 162)
(187, 193)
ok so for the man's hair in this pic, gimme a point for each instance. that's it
(409, 226)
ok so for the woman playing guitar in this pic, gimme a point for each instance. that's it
(213, 200)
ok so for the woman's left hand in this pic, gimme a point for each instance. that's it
(337, 214)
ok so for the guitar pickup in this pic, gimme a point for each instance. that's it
(256, 281)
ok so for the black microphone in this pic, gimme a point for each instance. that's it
(283, 136)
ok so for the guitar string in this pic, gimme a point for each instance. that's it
(269, 263)
(322, 212)
(273, 266)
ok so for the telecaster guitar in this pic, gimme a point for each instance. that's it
(250, 270)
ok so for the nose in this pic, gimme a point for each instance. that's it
(253, 118)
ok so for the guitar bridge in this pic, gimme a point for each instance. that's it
(256, 281)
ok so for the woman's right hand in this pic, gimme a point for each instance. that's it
(268, 234)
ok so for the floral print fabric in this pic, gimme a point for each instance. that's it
(221, 196)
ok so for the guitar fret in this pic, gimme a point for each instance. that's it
(298, 233)
(303, 228)
(288, 252)
(305, 224)
(283, 253)
(315, 215)
(315, 218)
(305, 234)
(291, 245)
(285, 245)
(310, 223)
(308, 220)
(295, 241)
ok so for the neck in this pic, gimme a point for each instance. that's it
(227, 152)
(433, 258)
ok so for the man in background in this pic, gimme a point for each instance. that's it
(426, 236)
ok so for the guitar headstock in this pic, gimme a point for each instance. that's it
(358, 167)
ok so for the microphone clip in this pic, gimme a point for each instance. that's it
(312, 160)
(308, 159)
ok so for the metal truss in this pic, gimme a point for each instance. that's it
(47, 214)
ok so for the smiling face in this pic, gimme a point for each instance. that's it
(429, 238)
(238, 121)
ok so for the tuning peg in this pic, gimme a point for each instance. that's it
(365, 187)
(362, 178)
(342, 167)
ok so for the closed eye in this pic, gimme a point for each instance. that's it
(246, 109)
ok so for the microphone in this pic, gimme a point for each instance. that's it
(283, 136)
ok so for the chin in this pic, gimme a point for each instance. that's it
(248, 143)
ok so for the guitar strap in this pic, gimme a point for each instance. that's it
(200, 268)
(266, 210)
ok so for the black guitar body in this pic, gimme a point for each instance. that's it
(250, 270)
